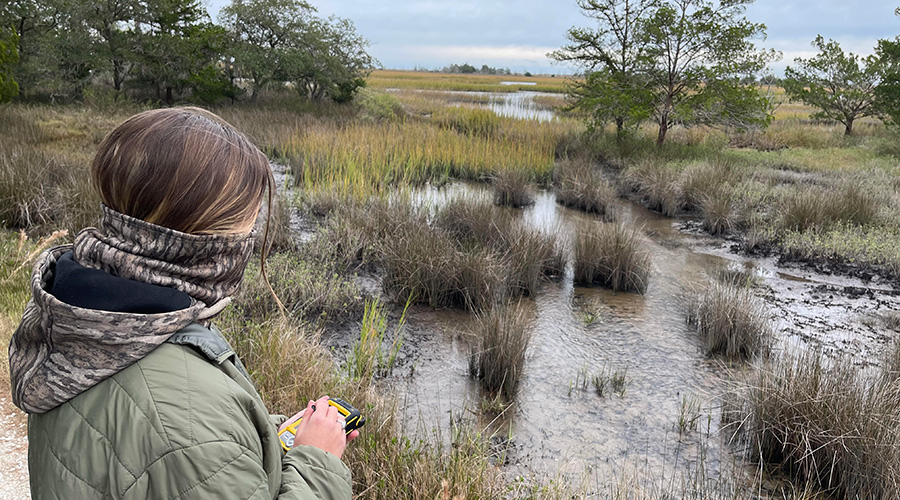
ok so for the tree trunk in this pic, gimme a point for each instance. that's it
(663, 128)
(169, 96)
(848, 127)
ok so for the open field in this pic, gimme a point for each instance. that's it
(377, 225)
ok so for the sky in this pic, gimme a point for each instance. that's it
(518, 34)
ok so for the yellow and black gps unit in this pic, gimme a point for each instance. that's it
(352, 417)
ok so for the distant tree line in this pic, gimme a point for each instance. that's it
(468, 69)
(172, 51)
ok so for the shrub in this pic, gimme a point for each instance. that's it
(730, 321)
(500, 338)
(611, 255)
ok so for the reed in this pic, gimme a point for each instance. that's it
(611, 255)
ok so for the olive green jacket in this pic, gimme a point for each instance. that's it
(183, 422)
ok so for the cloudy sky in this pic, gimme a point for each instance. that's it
(518, 34)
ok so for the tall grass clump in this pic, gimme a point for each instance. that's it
(579, 185)
(818, 208)
(707, 179)
(731, 321)
(512, 188)
(500, 338)
(657, 183)
(611, 255)
(525, 254)
(467, 121)
(308, 285)
(823, 422)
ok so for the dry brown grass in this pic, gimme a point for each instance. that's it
(822, 421)
(611, 255)
(731, 321)
(499, 342)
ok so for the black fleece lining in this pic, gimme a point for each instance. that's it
(89, 288)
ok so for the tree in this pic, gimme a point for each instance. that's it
(336, 61)
(9, 57)
(35, 23)
(887, 93)
(842, 86)
(180, 49)
(699, 52)
(613, 57)
(268, 36)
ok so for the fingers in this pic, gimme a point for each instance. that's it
(353, 435)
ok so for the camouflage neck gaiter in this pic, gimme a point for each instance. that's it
(209, 268)
(59, 350)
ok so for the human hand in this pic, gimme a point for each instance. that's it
(321, 427)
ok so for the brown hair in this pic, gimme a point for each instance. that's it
(186, 169)
(182, 168)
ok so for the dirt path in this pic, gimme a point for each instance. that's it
(13, 452)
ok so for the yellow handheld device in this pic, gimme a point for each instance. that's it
(352, 417)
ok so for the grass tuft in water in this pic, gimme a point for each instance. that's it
(824, 422)
(512, 188)
(579, 185)
(500, 338)
(731, 321)
(368, 358)
(611, 255)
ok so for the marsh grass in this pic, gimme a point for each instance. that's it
(657, 184)
(368, 357)
(499, 342)
(822, 421)
(818, 208)
(578, 184)
(309, 286)
(512, 188)
(730, 320)
(611, 255)
(289, 367)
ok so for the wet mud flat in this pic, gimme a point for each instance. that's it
(665, 423)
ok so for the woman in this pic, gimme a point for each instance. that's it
(131, 393)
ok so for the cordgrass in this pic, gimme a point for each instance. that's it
(512, 188)
(420, 80)
(730, 320)
(823, 421)
(581, 186)
(499, 342)
(611, 255)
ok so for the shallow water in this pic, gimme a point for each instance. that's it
(519, 104)
(555, 427)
